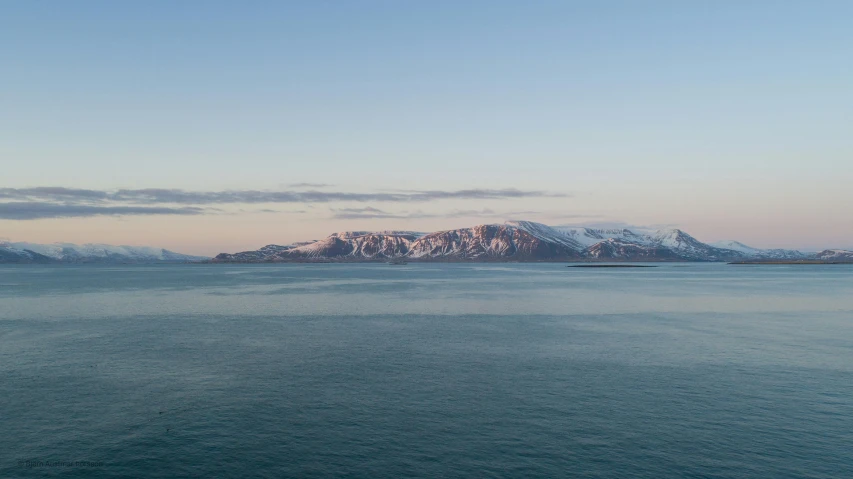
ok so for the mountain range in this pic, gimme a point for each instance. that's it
(511, 241)
(88, 253)
(520, 241)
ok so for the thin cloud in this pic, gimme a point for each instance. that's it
(61, 202)
(156, 196)
(309, 185)
(35, 211)
(366, 211)
(374, 213)
(484, 194)
(262, 210)
(161, 196)
(57, 193)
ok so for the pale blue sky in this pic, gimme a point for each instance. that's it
(731, 119)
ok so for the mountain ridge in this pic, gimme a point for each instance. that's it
(524, 241)
(23, 252)
(518, 241)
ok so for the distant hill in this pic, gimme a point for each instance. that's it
(513, 241)
(510, 241)
(88, 253)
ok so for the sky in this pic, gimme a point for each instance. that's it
(207, 127)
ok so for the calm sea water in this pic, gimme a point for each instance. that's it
(685, 370)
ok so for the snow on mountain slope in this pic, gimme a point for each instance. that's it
(478, 241)
(354, 234)
(513, 240)
(492, 242)
(759, 253)
(619, 243)
(69, 252)
(355, 244)
(590, 236)
(270, 252)
(618, 249)
(835, 255)
(8, 254)
(736, 246)
(688, 247)
(549, 234)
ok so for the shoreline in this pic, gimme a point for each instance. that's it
(805, 262)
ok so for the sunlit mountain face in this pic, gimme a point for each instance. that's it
(513, 241)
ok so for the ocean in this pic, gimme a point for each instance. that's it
(684, 370)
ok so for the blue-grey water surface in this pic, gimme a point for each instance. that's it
(426, 370)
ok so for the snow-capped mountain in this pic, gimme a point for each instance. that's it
(87, 253)
(520, 241)
(835, 255)
(626, 244)
(511, 241)
(484, 242)
(751, 252)
(13, 255)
